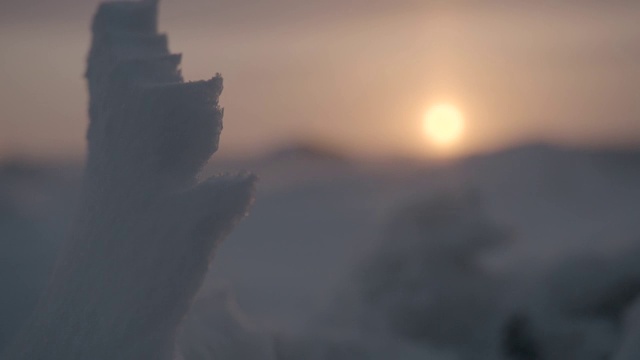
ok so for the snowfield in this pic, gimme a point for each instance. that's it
(527, 253)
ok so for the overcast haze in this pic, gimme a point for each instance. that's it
(358, 74)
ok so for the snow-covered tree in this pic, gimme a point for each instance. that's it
(146, 229)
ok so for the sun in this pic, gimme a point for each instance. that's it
(444, 125)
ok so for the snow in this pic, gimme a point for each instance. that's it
(145, 229)
(566, 263)
(526, 253)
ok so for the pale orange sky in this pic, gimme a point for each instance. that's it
(356, 73)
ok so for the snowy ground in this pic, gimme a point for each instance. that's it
(529, 252)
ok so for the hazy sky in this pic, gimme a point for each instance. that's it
(357, 73)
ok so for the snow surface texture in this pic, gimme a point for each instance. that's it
(630, 346)
(560, 253)
(552, 268)
(402, 291)
(32, 218)
(145, 232)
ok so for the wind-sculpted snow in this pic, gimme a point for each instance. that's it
(582, 309)
(629, 348)
(145, 231)
(32, 224)
(425, 283)
(216, 328)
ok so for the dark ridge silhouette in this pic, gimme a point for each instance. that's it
(309, 151)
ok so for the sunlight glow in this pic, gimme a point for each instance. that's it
(444, 125)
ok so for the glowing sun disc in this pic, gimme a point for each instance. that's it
(444, 124)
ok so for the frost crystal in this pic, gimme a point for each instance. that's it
(146, 230)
